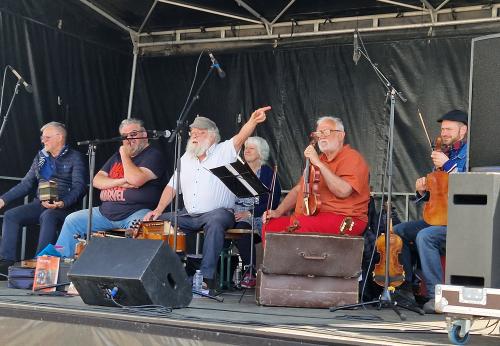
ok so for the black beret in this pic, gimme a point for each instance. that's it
(455, 115)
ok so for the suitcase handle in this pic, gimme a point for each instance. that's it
(309, 257)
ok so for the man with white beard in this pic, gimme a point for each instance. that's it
(208, 202)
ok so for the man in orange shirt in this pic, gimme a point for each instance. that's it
(343, 188)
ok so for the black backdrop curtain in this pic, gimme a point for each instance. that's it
(81, 84)
(303, 84)
(86, 86)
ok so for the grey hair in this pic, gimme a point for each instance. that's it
(337, 121)
(59, 126)
(215, 132)
(131, 121)
(261, 146)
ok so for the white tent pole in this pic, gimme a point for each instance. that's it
(132, 83)
(107, 16)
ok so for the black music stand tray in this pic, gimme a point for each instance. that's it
(242, 181)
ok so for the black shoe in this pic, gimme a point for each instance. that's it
(4, 268)
(429, 307)
(210, 283)
(405, 297)
(212, 286)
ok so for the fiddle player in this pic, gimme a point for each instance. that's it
(343, 187)
(428, 239)
(248, 211)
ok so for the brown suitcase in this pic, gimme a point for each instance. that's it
(309, 270)
(305, 291)
(313, 254)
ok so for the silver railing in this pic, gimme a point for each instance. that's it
(406, 207)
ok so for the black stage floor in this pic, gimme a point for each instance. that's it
(42, 320)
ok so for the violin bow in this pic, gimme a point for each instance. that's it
(270, 201)
(425, 129)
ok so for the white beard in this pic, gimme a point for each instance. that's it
(324, 146)
(199, 149)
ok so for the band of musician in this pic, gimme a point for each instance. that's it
(331, 197)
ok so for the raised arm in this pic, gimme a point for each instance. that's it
(246, 131)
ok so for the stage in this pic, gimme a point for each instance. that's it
(41, 320)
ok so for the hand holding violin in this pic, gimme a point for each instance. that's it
(439, 158)
(421, 185)
(311, 154)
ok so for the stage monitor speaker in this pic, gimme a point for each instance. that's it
(484, 103)
(142, 272)
(473, 235)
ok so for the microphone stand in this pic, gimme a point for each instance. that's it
(385, 299)
(177, 136)
(92, 146)
(6, 116)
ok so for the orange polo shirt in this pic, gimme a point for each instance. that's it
(351, 167)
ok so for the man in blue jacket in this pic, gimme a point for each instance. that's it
(56, 162)
(431, 239)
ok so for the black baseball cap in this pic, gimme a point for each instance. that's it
(455, 115)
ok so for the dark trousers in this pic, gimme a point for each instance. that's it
(214, 223)
(33, 213)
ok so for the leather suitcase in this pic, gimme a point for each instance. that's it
(313, 254)
(305, 291)
(309, 270)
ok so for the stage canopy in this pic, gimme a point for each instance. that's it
(95, 62)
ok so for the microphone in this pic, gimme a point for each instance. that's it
(158, 133)
(215, 64)
(21, 79)
(356, 54)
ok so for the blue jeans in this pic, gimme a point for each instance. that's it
(33, 213)
(76, 224)
(429, 241)
(214, 223)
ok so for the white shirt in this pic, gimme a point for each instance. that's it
(201, 190)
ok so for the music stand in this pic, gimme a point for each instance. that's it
(242, 181)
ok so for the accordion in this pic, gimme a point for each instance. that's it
(47, 191)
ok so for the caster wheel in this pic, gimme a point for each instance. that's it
(455, 338)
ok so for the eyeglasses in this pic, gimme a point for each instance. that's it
(131, 134)
(197, 133)
(46, 138)
(325, 132)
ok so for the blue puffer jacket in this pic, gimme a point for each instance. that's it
(70, 174)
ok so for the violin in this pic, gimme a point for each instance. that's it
(311, 203)
(436, 208)
(396, 272)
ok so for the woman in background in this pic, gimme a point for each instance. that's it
(256, 154)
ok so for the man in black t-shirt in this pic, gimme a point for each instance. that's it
(131, 183)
